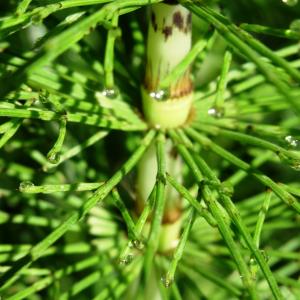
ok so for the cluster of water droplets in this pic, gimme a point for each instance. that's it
(292, 142)
(159, 95)
(293, 160)
(25, 185)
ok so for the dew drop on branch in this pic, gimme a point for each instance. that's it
(167, 281)
(110, 93)
(54, 158)
(126, 260)
(291, 141)
(216, 112)
(138, 244)
(44, 96)
(294, 163)
(25, 185)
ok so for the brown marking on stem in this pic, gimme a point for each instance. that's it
(173, 153)
(171, 216)
(178, 20)
(167, 31)
(153, 21)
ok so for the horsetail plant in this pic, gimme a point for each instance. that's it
(149, 150)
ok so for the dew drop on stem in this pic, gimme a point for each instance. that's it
(138, 244)
(216, 112)
(160, 95)
(167, 281)
(54, 157)
(110, 93)
(43, 96)
(126, 260)
(25, 185)
(265, 255)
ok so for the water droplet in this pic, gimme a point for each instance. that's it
(253, 262)
(253, 268)
(43, 96)
(138, 244)
(160, 95)
(126, 260)
(295, 25)
(227, 189)
(167, 281)
(294, 163)
(110, 93)
(54, 157)
(36, 19)
(25, 185)
(265, 255)
(216, 112)
(290, 2)
(291, 141)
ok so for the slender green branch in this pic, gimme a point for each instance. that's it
(79, 117)
(53, 155)
(132, 233)
(261, 218)
(77, 149)
(109, 53)
(285, 33)
(153, 240)
(125, 256)
(222, 83)
(178, 253)
(54, 188)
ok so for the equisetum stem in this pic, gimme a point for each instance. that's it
(169, 41)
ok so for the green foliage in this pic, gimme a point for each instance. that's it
(72, 135)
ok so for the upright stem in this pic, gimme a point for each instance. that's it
(169, 41)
